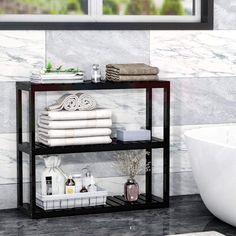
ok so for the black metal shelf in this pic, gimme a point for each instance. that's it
(40, 87)
(113, 204)
(41, 149)
(32, 148)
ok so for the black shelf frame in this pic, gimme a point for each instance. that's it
(33, 149)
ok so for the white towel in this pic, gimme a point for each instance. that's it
(68, 102)
(73, 102)
(76, 115)
(74, 124)
(86, 102)
(75, 141)
(73, 133)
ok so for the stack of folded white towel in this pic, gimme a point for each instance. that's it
(58, 126)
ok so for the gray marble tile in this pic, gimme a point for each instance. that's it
(197, 101)
(84, 48)
(21, 52)
(9, 198)
(182, 54)
(8, 107)
(186, 214)
(225, 17)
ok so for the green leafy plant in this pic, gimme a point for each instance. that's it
(49, 69)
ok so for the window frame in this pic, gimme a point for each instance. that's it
(90, 21)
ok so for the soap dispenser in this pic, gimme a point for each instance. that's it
(92, 186)
(86, 177)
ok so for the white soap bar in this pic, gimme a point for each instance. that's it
(134, 135)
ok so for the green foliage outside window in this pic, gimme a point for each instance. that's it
(172, 7)
(80, 7)
(141, 7)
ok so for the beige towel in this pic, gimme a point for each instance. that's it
(76, 115)
(132, 78)
(74, 141)
(132, 69)
(73, 133)
(74, 124)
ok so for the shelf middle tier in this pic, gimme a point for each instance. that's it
(41, 149)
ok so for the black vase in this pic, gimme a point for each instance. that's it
(131, 190)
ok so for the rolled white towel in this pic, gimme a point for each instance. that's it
(73, 133)
(73, 102)
(74, 124)
(68, 102)
(75, 141)
(86, 102)
(76, 115)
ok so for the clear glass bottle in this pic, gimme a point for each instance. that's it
(78, 182)
(96, 75)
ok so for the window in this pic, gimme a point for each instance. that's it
(106, 14)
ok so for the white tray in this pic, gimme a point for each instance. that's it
(66, 201)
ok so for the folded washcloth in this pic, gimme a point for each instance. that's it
(76, 115)
(73, 133)
(74, 124)
(74, 141)
(121, 78)
(73, 102)
(132, 69)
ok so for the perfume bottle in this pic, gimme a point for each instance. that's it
(70, 185)
(96, 73)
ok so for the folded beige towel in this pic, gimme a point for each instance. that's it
(74, 141)
(132, 69)
(121, 78)
(73, 133)
(74, 124)
(76, 115)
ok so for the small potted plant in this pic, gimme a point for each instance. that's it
(131, 163)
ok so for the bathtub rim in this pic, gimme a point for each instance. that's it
(190, 134)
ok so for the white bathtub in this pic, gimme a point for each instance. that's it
(213, 157)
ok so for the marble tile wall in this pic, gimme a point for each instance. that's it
(185, 54)
(85, 48)
(200, 66)
(21, 52)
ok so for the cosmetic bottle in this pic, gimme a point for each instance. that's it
(78, 182)
(49, 185)
(87, 179)
(83, 190)
(70, 185)
(92, 186)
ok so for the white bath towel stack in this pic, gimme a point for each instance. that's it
(61, 128)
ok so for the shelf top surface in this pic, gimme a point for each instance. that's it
(41, 149)
(29, 86)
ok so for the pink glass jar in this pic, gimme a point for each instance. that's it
(131, 190)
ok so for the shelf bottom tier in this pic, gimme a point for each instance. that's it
(113, 204)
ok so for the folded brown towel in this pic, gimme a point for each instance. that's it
(132, 69)
(121, 78)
